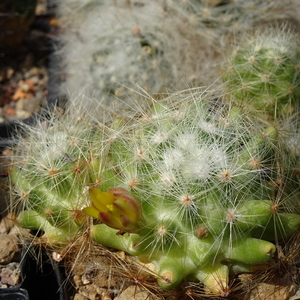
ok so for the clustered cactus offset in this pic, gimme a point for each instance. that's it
(264, 71)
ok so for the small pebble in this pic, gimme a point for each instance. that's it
(9, 277)
(35, 71)
(133, 292)
(80, 297)
(77, 281)
(273, 292)
(10, 111)
(22, 114)
(6, 225)
(10, 274)
(106, 296)
(9, 248)
(89, 291)
(24, 87)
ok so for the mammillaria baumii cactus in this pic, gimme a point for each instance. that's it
(191, 186)
(195, 186)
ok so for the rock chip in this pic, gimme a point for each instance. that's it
(296, 296)
(10, 275)
(89, 291)
(269, 291)
(80, 297)
(6, 224)
(9, 248)
(133, 292)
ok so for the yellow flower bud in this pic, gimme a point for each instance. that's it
(117, 208)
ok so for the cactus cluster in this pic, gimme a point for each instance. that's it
(192, 187)
(196, 186)
(110, 46)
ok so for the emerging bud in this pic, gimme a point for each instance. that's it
(117, 208)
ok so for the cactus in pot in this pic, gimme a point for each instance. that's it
(188, 187)
(195, 186)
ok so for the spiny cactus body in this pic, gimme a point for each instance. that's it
(125, 44)
(264, 71)
(51, 178)
(206, 182)
(189, 186)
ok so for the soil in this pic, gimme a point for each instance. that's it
(10, 255)
(24, 70)
(98, 277)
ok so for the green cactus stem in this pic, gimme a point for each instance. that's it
(264, 71)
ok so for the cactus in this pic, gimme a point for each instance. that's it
(190, 187)
(264, 71)
(162, 46)
(206, 184)
(196, 186)
(125, 44)
(50, 179)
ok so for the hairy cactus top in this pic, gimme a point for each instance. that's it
(207, 180)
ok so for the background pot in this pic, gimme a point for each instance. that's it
(16, 17)
(44, 279)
